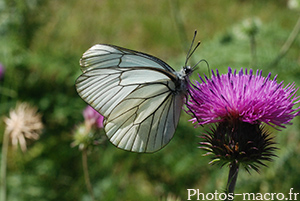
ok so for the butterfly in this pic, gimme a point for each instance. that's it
(139, 95)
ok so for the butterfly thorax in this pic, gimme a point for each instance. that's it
(183, 75)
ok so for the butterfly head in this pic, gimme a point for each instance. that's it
(188, 70)
(185, 72)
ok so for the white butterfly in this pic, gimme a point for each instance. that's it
(139, 95)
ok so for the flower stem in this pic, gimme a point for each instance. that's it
(86, 174)
(4, 165)
(291, 39)
(232, 177)
(253, 51)
(179, 22)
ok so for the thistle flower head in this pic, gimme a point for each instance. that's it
(86, 135)
(92, 117)
(247, 28)
(243, 96)
(238, 104)
(23, 123)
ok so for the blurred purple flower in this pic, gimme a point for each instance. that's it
(245, 97)
(93, 117)
(2, 70)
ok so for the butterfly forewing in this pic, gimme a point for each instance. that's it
(105, 56)
(135, 92)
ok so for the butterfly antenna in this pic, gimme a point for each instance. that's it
(189, 54)
(202, 60)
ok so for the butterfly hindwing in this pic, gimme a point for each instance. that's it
(141, 116)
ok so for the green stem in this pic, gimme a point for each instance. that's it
(179, 23)
(287, 44)
(232, 177)
(4, 165)
(86, 174)
(253, 51)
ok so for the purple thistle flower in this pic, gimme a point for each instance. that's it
(245, 97)
(237, 104)
(93, 117)
(86, 135)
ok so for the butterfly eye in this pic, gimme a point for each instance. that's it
(188, 70)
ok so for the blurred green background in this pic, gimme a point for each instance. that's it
(41, 42)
